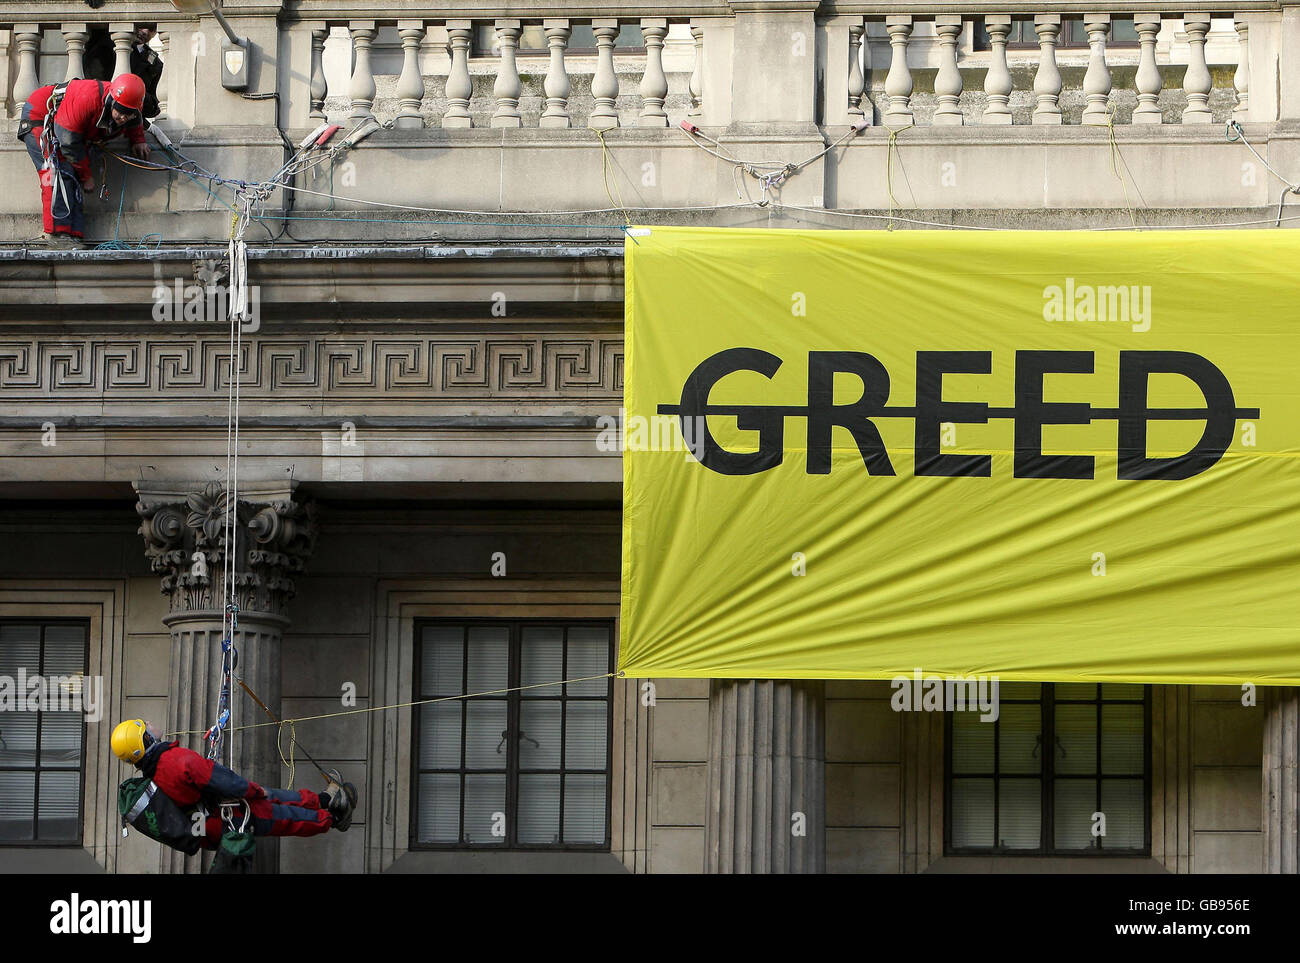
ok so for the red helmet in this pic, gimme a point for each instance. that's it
(127, 90)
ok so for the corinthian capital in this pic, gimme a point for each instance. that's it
(187, 539)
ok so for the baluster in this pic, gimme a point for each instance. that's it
(362, 89)
(604, 85)
(123, 35)
(857, 83)
(410, 85)
(164, 82)
(947, 83)
(1241, 79)
(1096, 82)
(997, 82)
(28, 38)
(507, 88)
(319, 85)
(1047, 82)
(75, 36)
(1196, 82)
(697, 74)
(557, 86)
(654, 85)
(459, 86)
(1147, 110)
(898, 82)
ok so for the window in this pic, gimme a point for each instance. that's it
(519, 770)
(41, 752)
(1073, 35)
(1032, 781)
(532, 40)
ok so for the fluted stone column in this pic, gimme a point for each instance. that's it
(185, 541)
(767, 783)
(1281, 796)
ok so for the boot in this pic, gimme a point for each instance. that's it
(343, 800)
(64, 242)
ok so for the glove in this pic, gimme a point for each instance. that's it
(140, 151)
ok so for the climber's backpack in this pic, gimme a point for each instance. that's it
(151, 811)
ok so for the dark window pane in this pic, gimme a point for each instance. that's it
(539, 745)
(1020, 813)
(1066, 691)
(489, 658)
(584, 809)
(442, 663)
(440, 736)
(972, 813)
(1076, 739)
(541, 656)
(539, 809)
(1124, 803)
(439, 809)
(1020, 690)
(485, 807)
(584, 735)
(1123, 745)
(1020, 731)
(485, 734)
(1076, 801)
(60, 806)
(60, 741)
(17, 801)
(972, 743)
(588, 656)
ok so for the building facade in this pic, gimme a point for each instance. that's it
(424, 506)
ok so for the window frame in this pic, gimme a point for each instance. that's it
(36, 842)
(1047, 778)
(513, 769)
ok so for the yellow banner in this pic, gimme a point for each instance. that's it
(1046, 456)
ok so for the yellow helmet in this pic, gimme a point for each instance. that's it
(128, 740)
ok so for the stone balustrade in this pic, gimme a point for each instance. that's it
(784, 78)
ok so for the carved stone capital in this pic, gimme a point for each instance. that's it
(186, 531)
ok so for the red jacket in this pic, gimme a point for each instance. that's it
(187, 777)
(77, 121)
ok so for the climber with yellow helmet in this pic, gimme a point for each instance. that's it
(195, 784)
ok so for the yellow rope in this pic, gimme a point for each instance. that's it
(1115, 159)
(293, 741)
(889, 170)
(399, 705)
(606, 162)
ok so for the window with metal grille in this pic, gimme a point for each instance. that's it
(42, 751)
(1058, 755)
(525, 769)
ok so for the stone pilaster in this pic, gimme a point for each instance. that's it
(185, 538)
(767, 783)
(1281, 781)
